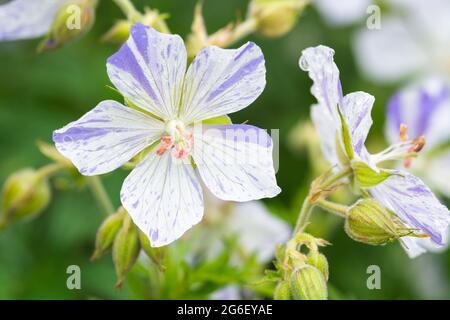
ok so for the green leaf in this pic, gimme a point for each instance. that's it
(367, 177)
(346, 138)
(218, 120)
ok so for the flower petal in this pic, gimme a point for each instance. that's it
(343, 12)
(149, 70)
(416, 205)
(438, 172)
(222, 81)
(25, 19)
(163, 197)
(319, 63)
(391, 53)
(327, 130)
(424, 108)
(257, 230)
(357, 108)
(106, 137)
(235, 162)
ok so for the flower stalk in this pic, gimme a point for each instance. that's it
(100, 194)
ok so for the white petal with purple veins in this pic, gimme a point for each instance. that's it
(417, 206)
(164, 197)
(424, 108)
(319, 63)
(25, 19)
(149, 70)
(222, 81)
(357, 108)
(327, 130)
(235, 162)
(106, 137)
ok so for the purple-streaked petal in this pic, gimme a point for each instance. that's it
(235, 162)
(424, 108)
(106, 137)
(25, 19)
(149, 70)
(222, 81)
(356, 109)
(163, 197)
(327, 130)
(319, 63)
(416, 205)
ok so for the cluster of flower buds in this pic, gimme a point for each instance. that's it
(119, 233)
(302, 276)
(72, 21)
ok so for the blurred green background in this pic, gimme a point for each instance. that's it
(39, 93)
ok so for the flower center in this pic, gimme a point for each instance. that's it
(177, 138)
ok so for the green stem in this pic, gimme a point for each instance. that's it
(244, 29)
(48, 170)
(333, 207)
(308, 206)
(128, 9)
(100, 194)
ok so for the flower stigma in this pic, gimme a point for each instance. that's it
(177, 138)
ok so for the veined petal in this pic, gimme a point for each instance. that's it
(327, 130)
(25, 19)
(438, 172)
(163, 197)
(319, 63)
(106, 137)
(222, 81)
(235, 162)
(149, 70)
(416, 205)
(357, 108)
(424, 108)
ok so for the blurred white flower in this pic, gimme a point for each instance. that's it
(342, 12)
(412, 41)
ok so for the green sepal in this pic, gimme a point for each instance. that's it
(346, 138)
(367, 177)
(218, 120)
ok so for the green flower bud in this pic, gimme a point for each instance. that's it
(282, 291)
(26, 193)
(319, 261)
(308, 283)
(72, 21)
(276, 17)
(107, 232)
(126, 249)
(373, 224)
(155, 254)
(119, 32)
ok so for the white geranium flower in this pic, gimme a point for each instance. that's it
(163, 193)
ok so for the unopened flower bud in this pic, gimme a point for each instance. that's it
(107, 232)
(25, 194)
(126, 249)
(155, 254)
(276, 17)
(370, 223)
(72, 21)
(319, 261)
(308, 283)
(282, 291)
(119, 32)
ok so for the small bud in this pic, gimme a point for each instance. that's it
(370, 223)
(25, 194)
(119, 32)
(72, 21)
(107, 232)
(126, 249)
(155, 254)
(308, 283)
(276, 17)
(319, 261)
(282, 291)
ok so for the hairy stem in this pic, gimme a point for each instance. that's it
(100, 194)
(308, 205)
(333, 207)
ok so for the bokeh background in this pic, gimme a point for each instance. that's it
(39, 93)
